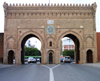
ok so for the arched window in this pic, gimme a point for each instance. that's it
(50, 44)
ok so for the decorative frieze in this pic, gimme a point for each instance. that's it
(49, 14)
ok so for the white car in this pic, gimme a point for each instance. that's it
(13, 61)
(31, 60)
(38, 59)
(67, 59)
(26, 61)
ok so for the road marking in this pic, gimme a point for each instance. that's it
(51, 75)
(51, 72)
(55, 66)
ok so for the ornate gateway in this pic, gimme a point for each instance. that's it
(50, 23)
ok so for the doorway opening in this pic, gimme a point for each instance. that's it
(31, 48)
(75, 46)
(89, 56)
(50, 58)
(10, 57)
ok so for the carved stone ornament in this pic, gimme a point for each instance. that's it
(5, 8)
(50, 29)
(94, 6)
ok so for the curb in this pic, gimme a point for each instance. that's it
(5, 66)
(94, 65)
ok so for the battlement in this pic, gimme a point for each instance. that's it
(45, 5)
(75, 10)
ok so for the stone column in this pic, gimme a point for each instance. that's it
(95, 49)
(44, 57)
(84, 56)
(94, 55)
(5, 57)
(81, 56)
(5, 54)
(57, 56)
(18, 57)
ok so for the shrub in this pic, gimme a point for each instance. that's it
(68, 53)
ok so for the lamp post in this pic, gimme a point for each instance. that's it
(69, 44)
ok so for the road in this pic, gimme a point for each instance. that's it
(61, 72)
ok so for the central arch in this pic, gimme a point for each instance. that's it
(77, 41)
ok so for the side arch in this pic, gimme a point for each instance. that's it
(78, 44)
(27, 33)
(73, 33)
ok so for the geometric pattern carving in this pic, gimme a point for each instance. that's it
(89, 42)
(11, 43)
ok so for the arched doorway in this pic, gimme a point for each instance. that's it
(23, 46)
(50, 58)
(89, 56)
(77, 46)
(10, 57)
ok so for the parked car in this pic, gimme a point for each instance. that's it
(31, 60)
(38, 59)
(13, 61)
(67, 59)
(26, 61)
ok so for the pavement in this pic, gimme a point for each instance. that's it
(93, 64)
(5, 65)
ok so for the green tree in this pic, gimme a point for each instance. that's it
(68, 53)
(32, 52)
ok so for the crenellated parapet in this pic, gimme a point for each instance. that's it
(5, 8)
(56, 5)
(49, 10)
(94, 7)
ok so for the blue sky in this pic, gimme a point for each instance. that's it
(51, 1)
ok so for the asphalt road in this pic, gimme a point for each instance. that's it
(76, 72)
(62, 72)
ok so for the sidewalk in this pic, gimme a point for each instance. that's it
(93, 64)
(5, 65)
